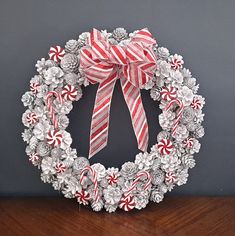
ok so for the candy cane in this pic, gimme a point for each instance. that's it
(50, 106)
(94, 179)
(134, 183)
(179, 115)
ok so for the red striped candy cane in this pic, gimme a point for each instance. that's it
(137, 179)
(179, 115)
(50, 106)
(94, 180)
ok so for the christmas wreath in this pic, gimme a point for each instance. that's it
(138, 63)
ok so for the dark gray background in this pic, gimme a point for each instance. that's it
(202, 31)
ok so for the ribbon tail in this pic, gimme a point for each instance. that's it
(100, 116)
(138, 117)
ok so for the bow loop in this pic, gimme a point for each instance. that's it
(95, 36)
(145, 37)
(118, 55)
(135, 52)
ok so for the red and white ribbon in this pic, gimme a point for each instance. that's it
(94, 180)
(49, 104)
(139, 176)
(104, 63)
(179, 115)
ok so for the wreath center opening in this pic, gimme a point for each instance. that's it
(122, 145)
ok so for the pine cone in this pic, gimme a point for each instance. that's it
(199, 132)
(56, 153)
(119, 34)
(188, 161)
(155, 94)
(156, 196)
(97, 206)
(157, 177)
(69, 63)
(72, 46)
(33, 143)
(43, 149)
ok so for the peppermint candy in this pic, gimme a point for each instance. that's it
(188, 142)
(170, 177)
(168, 93)
(54, 138)
(82, 197)
(69, 92)
(127, 203)
(196, 104)
(165, 146)
(56, 53)
(176, 62)
(34, 87)
(112, 179)
(60, 167)
(34, 157)
(32, 118)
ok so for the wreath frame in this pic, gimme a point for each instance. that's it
(59, 83)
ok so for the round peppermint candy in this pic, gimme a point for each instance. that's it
(170, 177)
(127, 203)
(60, 167)
(56, 53)
(32, 118)
(165, 146)
(83, 197)
(69, 92)
(188, 142)
(168, 93)
(54, 138)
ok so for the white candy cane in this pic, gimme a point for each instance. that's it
(139, 175)
(179, 115)
(94, 180)
(50, 106)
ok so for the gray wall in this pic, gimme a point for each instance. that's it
(202, 31)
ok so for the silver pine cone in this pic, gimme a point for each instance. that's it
(158, 177)
(43, 149)
(199, 131)
(155, 94)
(72, 46)
(188, 161)
(69, 63)
(156, 196)
(119, 34)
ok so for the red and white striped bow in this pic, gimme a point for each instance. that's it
(102, 62)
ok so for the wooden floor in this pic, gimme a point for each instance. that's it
(174, 216)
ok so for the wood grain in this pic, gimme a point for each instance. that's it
(174, 216)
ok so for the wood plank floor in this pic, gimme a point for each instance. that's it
(174, 216)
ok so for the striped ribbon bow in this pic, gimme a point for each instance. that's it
(134, 64)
